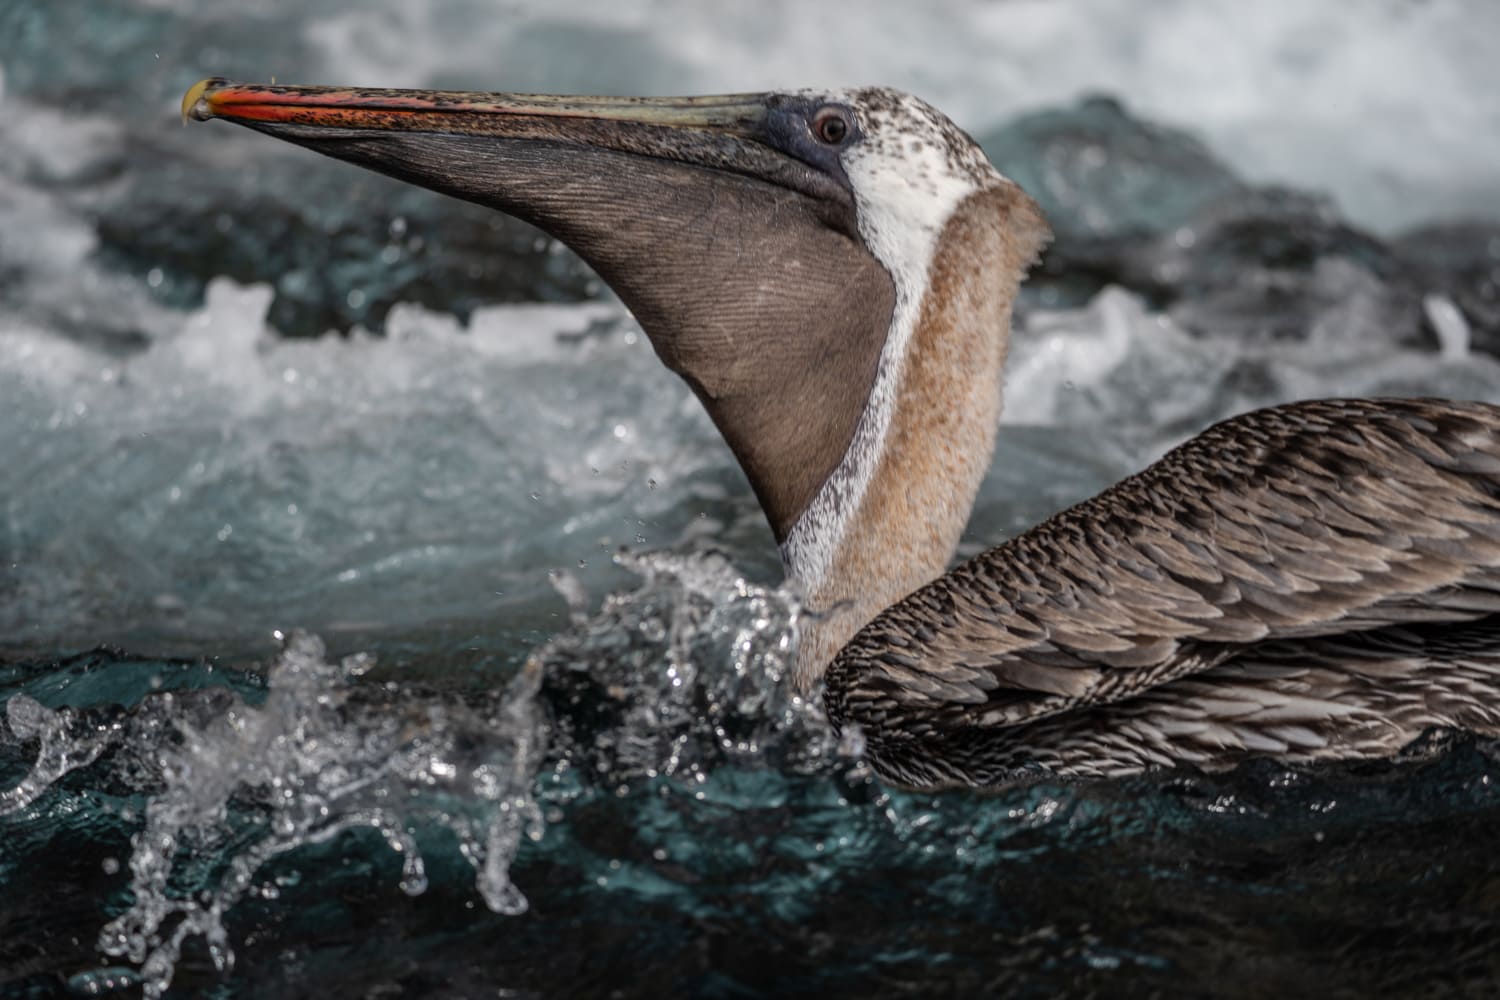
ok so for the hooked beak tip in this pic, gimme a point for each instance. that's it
(195, 103)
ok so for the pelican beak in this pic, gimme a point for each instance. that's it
(721, 133)
(456, 111)
(739, 255)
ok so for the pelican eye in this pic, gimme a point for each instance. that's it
(831, 126)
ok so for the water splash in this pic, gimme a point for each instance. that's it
(678, 770)
(66, 741)
(683, 674)
(672, 680)
(235, 785)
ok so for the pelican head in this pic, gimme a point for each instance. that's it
(832, 273)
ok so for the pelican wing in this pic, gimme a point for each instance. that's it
(1314, 519)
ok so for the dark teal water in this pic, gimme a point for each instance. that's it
(772, 871)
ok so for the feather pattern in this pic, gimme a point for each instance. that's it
(1320, 579)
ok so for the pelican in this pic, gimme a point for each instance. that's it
(832, 272)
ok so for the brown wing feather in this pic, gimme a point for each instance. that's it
(1306, 520)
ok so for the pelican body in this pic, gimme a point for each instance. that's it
(832, 272)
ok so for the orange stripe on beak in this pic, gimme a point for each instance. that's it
(352, 107)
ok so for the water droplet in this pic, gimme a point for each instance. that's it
(99, 982)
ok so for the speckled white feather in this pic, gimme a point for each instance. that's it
(909, 173)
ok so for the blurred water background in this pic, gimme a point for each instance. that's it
(378, 617)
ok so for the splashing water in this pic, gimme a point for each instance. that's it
(684, 675)
(675, 679)
(66, 741)
(321, 755)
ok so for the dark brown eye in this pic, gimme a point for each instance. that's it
(831, 126)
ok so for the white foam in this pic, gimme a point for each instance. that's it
(1452, 329)
(225, 481)
(1118, 370)
(1386, 104)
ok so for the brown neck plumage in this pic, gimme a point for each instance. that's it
(942, 431)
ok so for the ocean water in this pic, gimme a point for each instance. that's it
(379, 618)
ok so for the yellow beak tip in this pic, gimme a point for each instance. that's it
(191, 99)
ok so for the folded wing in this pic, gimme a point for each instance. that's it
(1304, 522)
